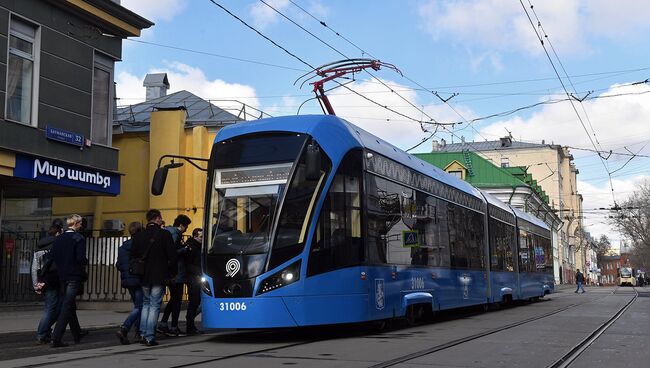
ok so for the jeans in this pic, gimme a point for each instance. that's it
(580, 287)
(194, 296)
(50, 313)
(68, 313)
(133, 318)
(152, 298)
(173, 307)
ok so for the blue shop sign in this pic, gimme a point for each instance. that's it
(54, 172)
(64, 136)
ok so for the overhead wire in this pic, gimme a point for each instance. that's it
(568, 94)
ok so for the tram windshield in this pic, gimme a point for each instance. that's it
(243, 223)
(626, 272)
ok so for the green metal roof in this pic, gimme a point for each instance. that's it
(481, 173)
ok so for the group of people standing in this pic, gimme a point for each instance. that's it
(58, 273)
(153, 259)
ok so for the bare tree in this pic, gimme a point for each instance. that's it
(632, 220)
(602, 247)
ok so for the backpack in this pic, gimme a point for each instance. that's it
(38, 263)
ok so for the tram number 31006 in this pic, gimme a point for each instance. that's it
(232, 306)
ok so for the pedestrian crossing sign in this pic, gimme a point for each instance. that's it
(410, 239)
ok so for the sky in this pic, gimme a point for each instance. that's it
(460, 62)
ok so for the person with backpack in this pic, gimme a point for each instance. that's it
(153, 256)
(46, 282)
(132, 284)
(173, 307)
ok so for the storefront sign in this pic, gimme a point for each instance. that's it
(54, 172)
(64, 136)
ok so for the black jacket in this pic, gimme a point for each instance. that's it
(48, 274)
(580, 277)
(160, 263)
(122, 265)
(193, 258)
(69, 255)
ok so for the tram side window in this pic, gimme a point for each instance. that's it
(501, 245)
(466, 239)
(431, 226)
(338, 241)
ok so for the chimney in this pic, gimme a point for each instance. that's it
(156, 84)
(443, 143)
(435, 146)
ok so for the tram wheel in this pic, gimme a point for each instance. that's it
(414, 314)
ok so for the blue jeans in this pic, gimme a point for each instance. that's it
(134, 317)
(68, 313)
(50, 313)
(152, 299)
(580, 287)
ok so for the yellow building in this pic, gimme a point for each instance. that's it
(180, 124)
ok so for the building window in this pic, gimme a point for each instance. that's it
(102, 100)
(505, 162)
(22, 72)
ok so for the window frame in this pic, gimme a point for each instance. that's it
(35, 58)
(106, 64)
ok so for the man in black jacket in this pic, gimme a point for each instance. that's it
(47, 282)
(69, 255)
(155, 246)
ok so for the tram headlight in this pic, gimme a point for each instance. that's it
(284, 277)
(205, 286)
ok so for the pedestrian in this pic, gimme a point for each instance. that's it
(193, 271)
(69, 255)
(173, 307)
(46, 282)
(153, 256)
(132, 284)
(580, 278)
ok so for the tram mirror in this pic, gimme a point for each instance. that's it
(160, 177)
(313, 161)
(158, 182)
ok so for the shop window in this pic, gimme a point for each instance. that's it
(22, 74)
(100, 131)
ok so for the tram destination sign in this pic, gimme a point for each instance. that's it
(64, 136)
(257, 175)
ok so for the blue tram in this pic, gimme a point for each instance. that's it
(311, 220)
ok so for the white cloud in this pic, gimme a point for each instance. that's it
(596, 197)
(264, 16)
(185, 77)
(503, 25)
(155, 10)
(614, 119)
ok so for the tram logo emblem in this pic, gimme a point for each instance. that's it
(379, 294)
(232, 267)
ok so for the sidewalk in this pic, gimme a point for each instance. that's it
(92, 315)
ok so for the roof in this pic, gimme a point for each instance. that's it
(483, 173)
(488, 146)
(136, 118)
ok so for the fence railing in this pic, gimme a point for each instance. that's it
(15, 268)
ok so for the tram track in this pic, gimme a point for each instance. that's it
(574, 353)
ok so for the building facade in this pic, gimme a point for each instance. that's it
(56, 106)
(556, 173)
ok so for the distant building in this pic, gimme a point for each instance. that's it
(556, 173)
(609, 266)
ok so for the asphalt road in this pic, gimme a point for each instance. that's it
(531, 335)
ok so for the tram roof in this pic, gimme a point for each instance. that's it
(317, 125)
(496, 202)
(530, 218)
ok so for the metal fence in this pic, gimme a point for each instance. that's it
(15, 268)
